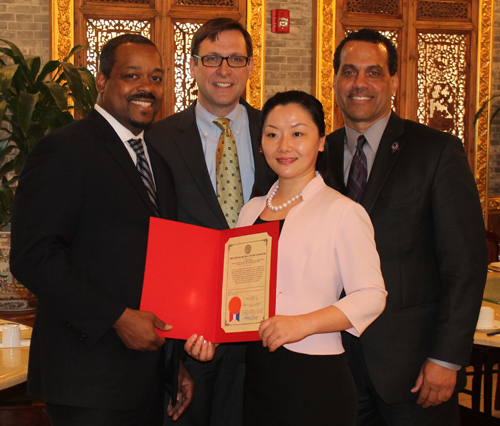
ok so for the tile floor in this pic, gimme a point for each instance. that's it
(465, 400)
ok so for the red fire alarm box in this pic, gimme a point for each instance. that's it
(280, 21)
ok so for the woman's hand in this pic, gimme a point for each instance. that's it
(281, 329)
(199, 348)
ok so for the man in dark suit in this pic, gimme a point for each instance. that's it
(79, 239)
(221, 64)
(418, 189)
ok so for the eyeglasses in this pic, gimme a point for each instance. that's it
(215, 61)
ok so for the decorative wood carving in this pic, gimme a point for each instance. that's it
(432, 11)
(442, 69)
(324, 48)
(99, 31)
(256, 26)
(205, 2)
(185, 88)
(63, 28)
(387, 7)
(485, 45)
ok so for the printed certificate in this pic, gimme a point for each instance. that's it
(219, 284)
(245, 284)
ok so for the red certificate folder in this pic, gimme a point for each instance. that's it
(184, 278)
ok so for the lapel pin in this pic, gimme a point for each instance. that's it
(395, 147)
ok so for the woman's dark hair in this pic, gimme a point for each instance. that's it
(315, 109)
(303, 99)
(108, 53)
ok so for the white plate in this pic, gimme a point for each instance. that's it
(496, 327)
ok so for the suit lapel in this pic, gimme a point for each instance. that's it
(114, 145)
(334, 152)
(263, 176)
(384, 160)
(253, 124)
(191, 149)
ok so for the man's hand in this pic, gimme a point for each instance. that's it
(281, 329)
(184, 396)
(137, 329)
(199, 348)
(436, 384)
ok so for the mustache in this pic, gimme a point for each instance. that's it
(357, 92)
(143, 95)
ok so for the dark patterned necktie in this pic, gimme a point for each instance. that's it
(358, 173)
(145, 172)
(229, 188)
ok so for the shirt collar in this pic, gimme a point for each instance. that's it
(205, 119)
(373, 135)
(123, 133)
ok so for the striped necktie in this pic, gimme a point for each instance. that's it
(358, 173)
(145, 171)
(229, 188)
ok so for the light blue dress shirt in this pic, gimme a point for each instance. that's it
(210, 133)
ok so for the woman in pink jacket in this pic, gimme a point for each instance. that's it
(298, 374)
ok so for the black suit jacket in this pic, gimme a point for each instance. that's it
(177, 139)
(79, 238)
(429, 231)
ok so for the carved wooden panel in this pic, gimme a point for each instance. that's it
(430, 30)
(131, 2)
(170, 24)
(442, 65)
(378, 7)
(99, 31)
(185, 88)
(439, 9)
(205, 2)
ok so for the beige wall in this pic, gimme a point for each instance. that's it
(289, 56)
(26, 23)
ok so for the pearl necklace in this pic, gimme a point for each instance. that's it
(282, 206)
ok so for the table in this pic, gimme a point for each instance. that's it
(486, 350)
(14, 362)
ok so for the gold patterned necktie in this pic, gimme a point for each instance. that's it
(229, 188)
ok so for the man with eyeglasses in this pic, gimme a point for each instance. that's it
(191, 143)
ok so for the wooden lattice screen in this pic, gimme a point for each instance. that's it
(437, 66)
(169, 23)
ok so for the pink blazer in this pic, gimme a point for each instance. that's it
(326, 245)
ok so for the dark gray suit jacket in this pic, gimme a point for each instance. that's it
(79, 238)
(429, 231)
(178, 141)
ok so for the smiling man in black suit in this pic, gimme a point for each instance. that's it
(417, 187)
(79, 239)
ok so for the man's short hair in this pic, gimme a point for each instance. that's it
(211, 30)
(371, 36)
(108, 53)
